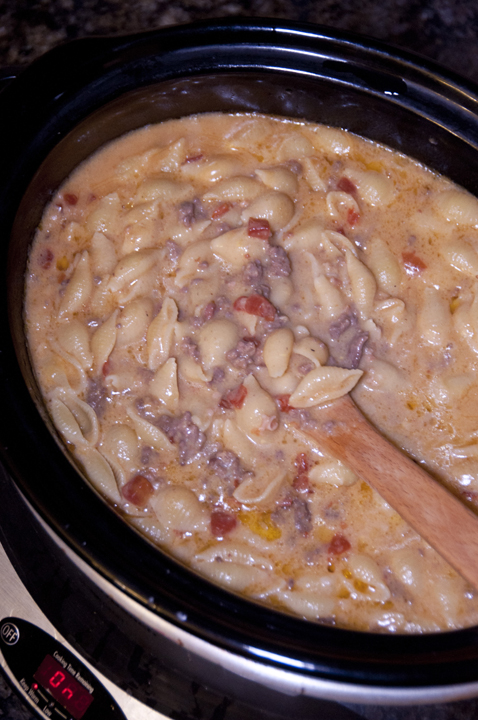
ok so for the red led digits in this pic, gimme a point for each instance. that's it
(57, 679)
(63, 687)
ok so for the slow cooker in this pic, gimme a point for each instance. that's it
(120, 607)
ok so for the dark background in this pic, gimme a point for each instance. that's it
(443, 30)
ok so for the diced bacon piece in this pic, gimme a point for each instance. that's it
(220, 210)
(346, 185)
(222, 522)
(106, 369)
(45, 259)
(412, 263)
(301, 483)
(234, 398)
(301, 463)
(352, 217)
(338, 545)
(240, 303)
(138, 490)
(286, 502)
(259, 228)
(194, 158)
(283, 403)
(256, 305)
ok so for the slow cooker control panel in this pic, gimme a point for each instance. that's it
(53, 680)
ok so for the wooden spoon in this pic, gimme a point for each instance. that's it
(441, 519)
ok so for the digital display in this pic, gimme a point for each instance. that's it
(63, 687)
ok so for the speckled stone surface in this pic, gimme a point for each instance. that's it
(444, 30)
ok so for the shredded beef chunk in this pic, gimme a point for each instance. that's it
(253, 275)
(303, 418)
(227, 466)
(348, 340)
(97, 396)
(185, 434)
(302, 516)
(191, 211)
(355, 350)
(278, 262)
(208, 311)
(218, 375)
(344, 322)
(242, 355)
(348, 351)
(189, 347)
(149, 456)
(253, 272)
(305, 368)
(147, 408)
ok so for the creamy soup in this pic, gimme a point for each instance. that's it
(199, 288)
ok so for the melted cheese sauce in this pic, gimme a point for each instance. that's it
(195, 292)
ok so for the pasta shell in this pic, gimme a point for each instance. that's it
(73, 338)
(275, 207)
(149, 434)
(178, 510)
(103, 341)
(234, 552)
(66, 423)
(164, 189)
(332, 472)
(100, 472)
(241, 578)
(280, 179)
(160, 334)
(103, 254)
(235, 189)
(258, 416)
(235, 248)
(121, 445)
(458, 206)
(277, 351)
(79, 288)
(131, 267)
(216, 338)
(259, 490)
(322, 385)
(164, 385)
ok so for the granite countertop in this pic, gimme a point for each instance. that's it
(444, 30)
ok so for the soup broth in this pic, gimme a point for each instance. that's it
(199, 288)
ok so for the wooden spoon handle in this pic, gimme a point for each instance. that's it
(441, 519)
